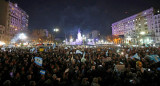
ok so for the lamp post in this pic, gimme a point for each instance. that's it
(55, 30)
(84, 38)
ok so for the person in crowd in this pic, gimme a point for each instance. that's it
(100, 66)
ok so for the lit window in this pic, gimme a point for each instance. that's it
(145, 23)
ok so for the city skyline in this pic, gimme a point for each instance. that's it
(88, 15)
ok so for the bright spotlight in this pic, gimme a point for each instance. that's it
(2, 43)
(22, 36)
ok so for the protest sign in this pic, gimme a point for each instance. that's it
(41, 49)
(120, 68)
(107, 59)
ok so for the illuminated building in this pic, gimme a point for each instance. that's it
(132, 26)
(13, 18)
(2, 29)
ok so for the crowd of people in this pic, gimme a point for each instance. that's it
(64, 67)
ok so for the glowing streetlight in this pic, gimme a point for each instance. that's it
(102, 41)
(22, 36)
(56, 30)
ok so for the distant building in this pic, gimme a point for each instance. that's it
(95, 34)
(41, 36)
(13, 18)
(133, 26)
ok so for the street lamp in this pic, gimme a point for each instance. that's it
(56, 30)
(84, 38)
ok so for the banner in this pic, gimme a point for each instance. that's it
(42, 72)
(3, 48)
(41, 49)
(38, 61)
(107, 59)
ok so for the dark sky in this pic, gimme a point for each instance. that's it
(69, 15)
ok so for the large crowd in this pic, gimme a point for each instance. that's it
(64, 67)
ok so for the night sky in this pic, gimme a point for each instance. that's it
(69, 15)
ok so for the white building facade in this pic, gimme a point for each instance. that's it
(139, 28)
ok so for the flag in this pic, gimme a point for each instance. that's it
(128, 50)
(147, 50)
(136, 56)
(38, 61)
(42, 72)
(158, 68)
(54, 45)
(126, 55)
(83, 59)
(32, 49)
(154, 58)
(3, 48)
(107, 53)
(66, 48)
(78, 52)
(118, 51)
